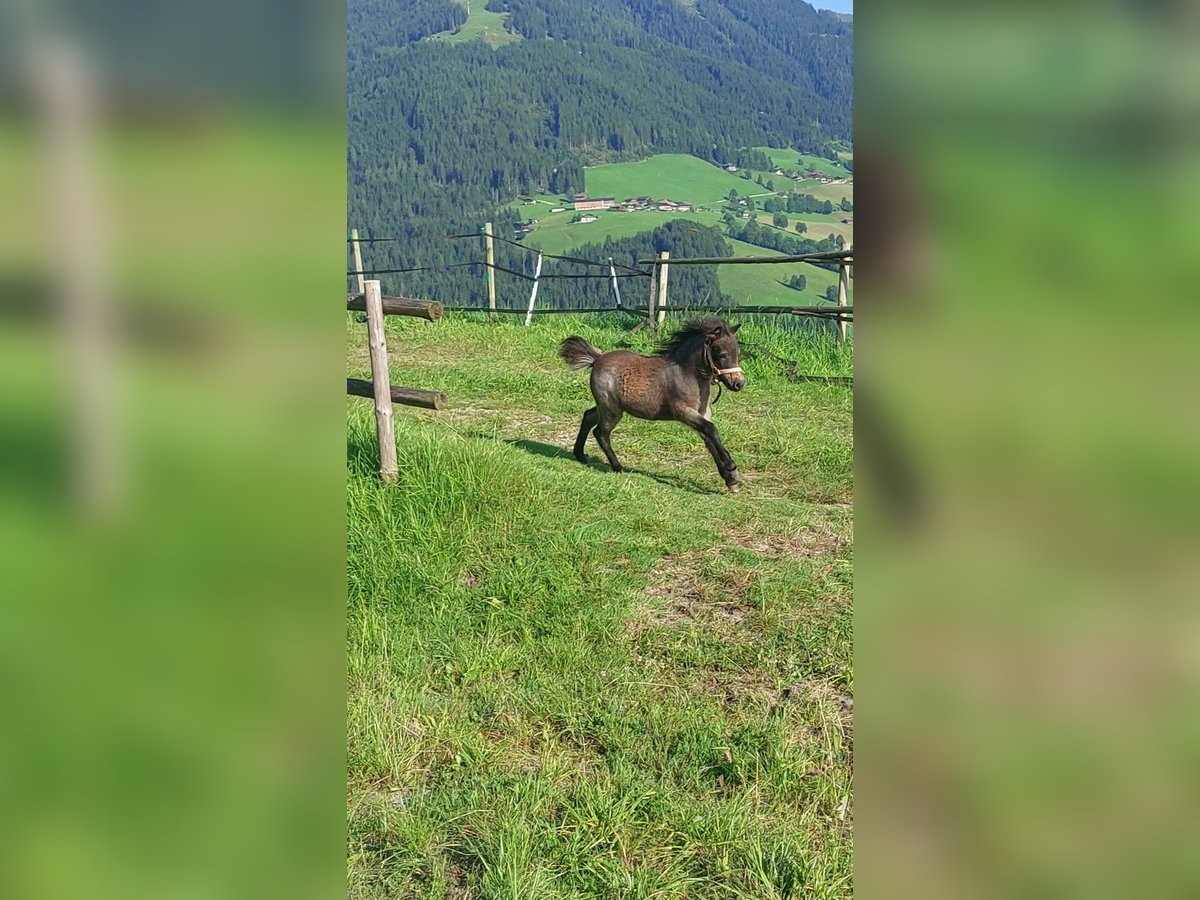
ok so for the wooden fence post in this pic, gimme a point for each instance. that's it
(384, 428)
(358, 268)
(537, 273)
(68, 97)
(489, 247)
(650, 320)
(616, 289)
(843, 290)
(662, 286)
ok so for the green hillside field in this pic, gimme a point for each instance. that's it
(790, 159)
(566, 682)
(678, 176)
(760, 284)
(688, 179)
(481, 24)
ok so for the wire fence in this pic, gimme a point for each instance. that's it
(841, 313)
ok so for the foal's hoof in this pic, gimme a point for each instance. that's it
(582, 457)
(734, 487)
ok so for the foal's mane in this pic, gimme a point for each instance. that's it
(677, 345)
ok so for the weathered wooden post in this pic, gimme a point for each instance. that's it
(537, 273)
(68, 95)
(616, 289)
(843, 292)
(489, 247)
(662, 287)
(358, 268)
(653, 297)
(384, 427)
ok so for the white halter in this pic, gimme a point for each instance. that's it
(708, 360)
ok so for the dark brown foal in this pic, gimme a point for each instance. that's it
(675, 383)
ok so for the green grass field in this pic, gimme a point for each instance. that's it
(565, 682)
(676, 175)
(761, 284)
(790, 159)
(688, 179)
(555, 233)
(481, 24)
(818, 226)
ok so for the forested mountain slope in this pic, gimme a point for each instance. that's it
(444, 134)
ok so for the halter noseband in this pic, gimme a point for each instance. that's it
(713, 371)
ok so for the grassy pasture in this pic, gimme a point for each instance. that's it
(569, 683)
(831, 192)
(481, 24)
(818, 227)
(820, 230)
(761, 284)
(555, 234)
(790, 159)
(688, 179)
(676, 175)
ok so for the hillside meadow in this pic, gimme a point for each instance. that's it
(482, 25)
(675, 175)
(689, 179)
(565, 682)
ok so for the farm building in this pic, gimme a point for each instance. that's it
(593, 202)
(585, 219)
(668, 205)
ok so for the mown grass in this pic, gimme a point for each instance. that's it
(684, 178)
(556, 233)
(482, 24)
(790, 159)
(565, 682)
(762, 284)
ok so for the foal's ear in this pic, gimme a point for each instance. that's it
(733, 328)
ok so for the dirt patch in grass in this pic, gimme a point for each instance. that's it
(822, 692)
(680, 593)
(737, 688)
(814, 542)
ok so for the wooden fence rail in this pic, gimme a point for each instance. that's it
(357, 387)
(379, 388)
(399, 306)
(841, 257)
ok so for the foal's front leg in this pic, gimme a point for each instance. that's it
(712, 440)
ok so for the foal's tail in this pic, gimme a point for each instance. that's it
(578, 353)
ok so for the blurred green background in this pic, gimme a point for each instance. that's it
(1026, 625)
(172, 624)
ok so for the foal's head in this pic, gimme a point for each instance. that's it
(716, 348)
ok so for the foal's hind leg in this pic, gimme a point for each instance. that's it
(590, 418)
(608, 421)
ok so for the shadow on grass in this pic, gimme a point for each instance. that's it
(537, 448)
